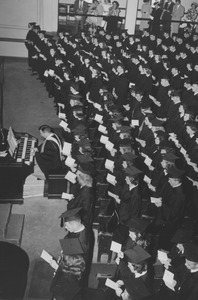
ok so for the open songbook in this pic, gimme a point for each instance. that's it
(49, 259)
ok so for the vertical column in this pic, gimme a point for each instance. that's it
(49, 15)
(131, 13)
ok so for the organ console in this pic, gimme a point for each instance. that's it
(15, 165)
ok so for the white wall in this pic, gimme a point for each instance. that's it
(16, 14)
(14, 18)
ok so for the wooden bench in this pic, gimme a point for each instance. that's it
(15, 229)
(5, 211)
(11, 225)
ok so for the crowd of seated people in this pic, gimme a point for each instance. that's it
(129, 107)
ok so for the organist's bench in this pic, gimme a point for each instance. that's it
(56, 184)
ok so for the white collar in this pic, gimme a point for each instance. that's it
(194, 270)
(137, 275)
(81, 229)
(132, 187)
(176, 185)
(49, 136)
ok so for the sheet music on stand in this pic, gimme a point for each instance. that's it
(12, 142)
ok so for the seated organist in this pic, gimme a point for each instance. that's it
(48, 154)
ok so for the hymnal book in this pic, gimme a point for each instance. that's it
(111, 179)
(67, 149)
(61, 105)
(162, 255)
(135, 122)
(156, 200)
(98, 106)
(81, 78)
(63, 124)
(147, 179)
(148, 161)
(109, 146)
(115, 247)
(66, 196)
(71, 177)
(62, 116)
(49, 259)
(112, 195)
(46, 73)
(104, 139)
(111, 284)
(69, 161)
(98, 118)
(151, 187)
(102, 129)
(109, 164)
(51, 72)
(168, 279)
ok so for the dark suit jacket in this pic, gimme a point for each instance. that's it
(84, 7)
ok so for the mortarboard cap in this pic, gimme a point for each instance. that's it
(86, 168)
(175, 93)
(79, 129)
(132, 171)
(156, 122)
(84, 158)
(42, 31)
(125, 143)
(37, 27)
(169, 157)
(75, 86)
(32, 23)
(71, 214)
(124, 129)
(165, 76)
(137, 254)
(182, 236)
(192, 124)
(84, 142)
(71, 246)
(128, 156)
(191, 252)
(138, 225)
(174, 172)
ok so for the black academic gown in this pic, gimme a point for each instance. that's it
(130, 205)
(49, 159)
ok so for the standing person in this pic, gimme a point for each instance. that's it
(155, 19)
(80, 7)
(121, 86)
(166, 15)
(146, 10)
(48, 154)
(106, 6)
(95, 9)
(177, 14)
(84, 196)
(71, 219)
(188, 288)
(112, 19)
(68, 282)
(136, 279)
(29, 43)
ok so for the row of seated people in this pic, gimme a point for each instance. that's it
(138, 142)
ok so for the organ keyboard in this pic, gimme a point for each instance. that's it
(24, 150)
(16, 166)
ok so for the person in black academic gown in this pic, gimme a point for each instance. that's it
(135, 279)
(48, 154)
